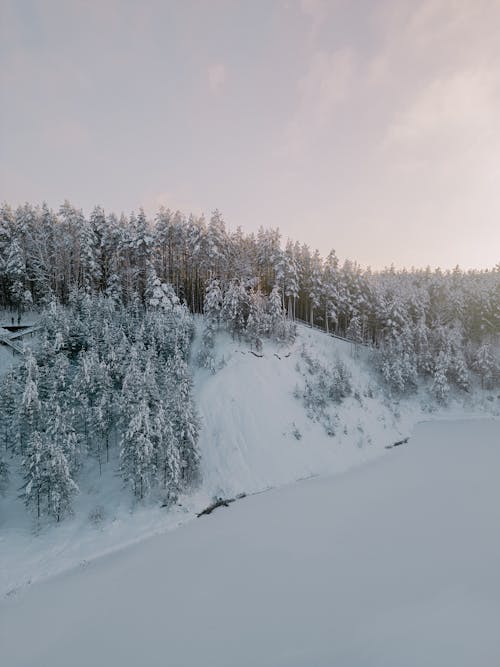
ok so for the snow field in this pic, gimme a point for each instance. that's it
(392, 563)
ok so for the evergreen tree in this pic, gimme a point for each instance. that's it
(185, 421)
(486, 366)
(9, 392)
(47, 477)
(137, 449)
(440, 387)
(235, 308)
(30, 408)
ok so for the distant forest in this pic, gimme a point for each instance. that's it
(46, 255)
(422, 320)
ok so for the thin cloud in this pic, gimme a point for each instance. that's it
(217, 76)
(448, 108)
(326, 84)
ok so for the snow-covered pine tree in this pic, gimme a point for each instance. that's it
(255, 321)
(61, 486)
(235, 308)
(167, 452)
(212, 306)
(137, 449)
(330, 287)
(29, 415)
(276, 314)
(47, 477)
(62, 435)
(15, 270)
(9, 396)
(440, 387)
(486, 365)
(182, 412)
(35, 467)
(315, 285)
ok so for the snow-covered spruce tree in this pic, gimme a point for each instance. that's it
(30, 408)
(9, 396)
(35, 467)
(276, 324)
(355, 329)
(15, 270)
(486, 366)
(183, 415)
(440, 387)
(235, 308)
(86, 385)
(49, 486)
(291, 279)
(131, 388)
(63, 437)
(167, 453)
(160, 295)
(89, 269)
(216, 245)
(255, 322)
(212, 305)
(397, 363)
(212, 308)
(61, 487)
(315, 286)
(330, 290)
(104, 420)
(58, 381)
(137, 449)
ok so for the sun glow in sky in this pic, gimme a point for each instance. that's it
(371, 127)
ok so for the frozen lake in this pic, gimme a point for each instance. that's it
(392, 563)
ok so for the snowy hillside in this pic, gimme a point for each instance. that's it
(378, 567)
(255, 434)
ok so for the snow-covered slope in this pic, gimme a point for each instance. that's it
(255, 435)
(393, 563)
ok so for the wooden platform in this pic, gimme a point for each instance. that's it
(9, 333)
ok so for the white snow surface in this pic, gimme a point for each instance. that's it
(249, 415)
(393, 563)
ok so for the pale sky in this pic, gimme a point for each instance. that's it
(368, 126)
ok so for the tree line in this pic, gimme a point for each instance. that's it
(46, 255)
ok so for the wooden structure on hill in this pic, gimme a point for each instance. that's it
(11, 333)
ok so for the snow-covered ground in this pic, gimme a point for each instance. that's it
(393, 563)
(250, 415)
(255, 435)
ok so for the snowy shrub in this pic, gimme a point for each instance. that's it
(97, 515)
(323, 387)
(330, 424)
